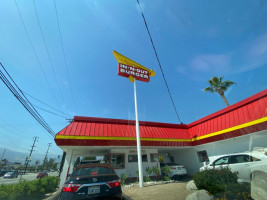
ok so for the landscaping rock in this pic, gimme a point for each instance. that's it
(191, 185)
(199, 195)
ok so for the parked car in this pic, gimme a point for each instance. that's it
(90, 181)
(176, 170)
(239, 162)
(42, 174)
(3, 172)
(11, 175)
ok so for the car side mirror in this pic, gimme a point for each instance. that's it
(68, 175)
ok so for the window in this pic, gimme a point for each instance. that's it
(92, 171)
(154, 158)
(222, 161)
(117, 160)
(239, 159)
(203, 156)
(134, 158)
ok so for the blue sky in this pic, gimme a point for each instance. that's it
(195, 40)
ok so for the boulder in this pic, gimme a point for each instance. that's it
(199, 195)
(191, 185)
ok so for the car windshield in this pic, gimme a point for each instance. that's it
(92, 171)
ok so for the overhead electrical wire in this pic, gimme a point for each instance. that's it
(31, 44)
(156, 54)
(49, 112)
(64, 56)
(46, 104)
(30, 108)
(46, 48)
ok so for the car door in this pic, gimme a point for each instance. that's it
(221, 162)
(240, 164)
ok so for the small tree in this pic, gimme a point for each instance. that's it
(156, 171)
(123, 178)
(165, 170)
(149, 171)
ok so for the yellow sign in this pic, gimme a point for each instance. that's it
(127, 61)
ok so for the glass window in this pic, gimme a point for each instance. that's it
(134, 158)
(154, 158)
(117, 160)
(202, 156)
(92, 171)
(239, 159)
(144, 158)
(222, 161)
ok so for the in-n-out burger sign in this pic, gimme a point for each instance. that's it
(137, 73)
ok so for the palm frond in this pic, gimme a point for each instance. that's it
(228, 83)
(209, 89)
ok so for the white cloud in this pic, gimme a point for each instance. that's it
(213, 63)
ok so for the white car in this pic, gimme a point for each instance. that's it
(239, 162)
(175, 169)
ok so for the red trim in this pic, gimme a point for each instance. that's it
(242, 103)
(83, 142)
(126, 122)
(233, 134)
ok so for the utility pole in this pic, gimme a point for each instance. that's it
(49, 144)
(3, 154)
(28, 159)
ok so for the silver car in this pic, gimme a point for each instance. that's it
(11, 175)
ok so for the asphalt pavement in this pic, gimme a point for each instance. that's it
(27, 177)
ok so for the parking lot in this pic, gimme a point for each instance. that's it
(27, 177)
(170, 191)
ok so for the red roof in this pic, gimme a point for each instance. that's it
(244, 117)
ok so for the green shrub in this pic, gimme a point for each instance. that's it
(156, 171)
(235, 191)
(166, 178)
(123, 178)
(147, 178)
(29, 189)
(215, 180)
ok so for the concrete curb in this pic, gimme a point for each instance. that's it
(54, 196)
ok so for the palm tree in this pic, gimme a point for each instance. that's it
(217, 85)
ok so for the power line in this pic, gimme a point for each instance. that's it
(158, 60)
(49, 112)
(29, 108)
(46, 104)
(64, 55)
(31, 44)
(46, 48)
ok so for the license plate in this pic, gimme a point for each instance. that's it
(94, 190)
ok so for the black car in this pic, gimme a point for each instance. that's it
(92, 181)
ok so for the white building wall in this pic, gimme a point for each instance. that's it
(66, 167)
(189, 157)
(131, 168)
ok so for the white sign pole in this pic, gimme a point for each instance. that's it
(139, 155)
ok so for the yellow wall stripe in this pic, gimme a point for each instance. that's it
(258, 121)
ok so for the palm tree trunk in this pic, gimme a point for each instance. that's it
(224, 99)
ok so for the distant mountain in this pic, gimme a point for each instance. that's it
(15, 156)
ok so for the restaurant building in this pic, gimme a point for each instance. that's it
(237, 128)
